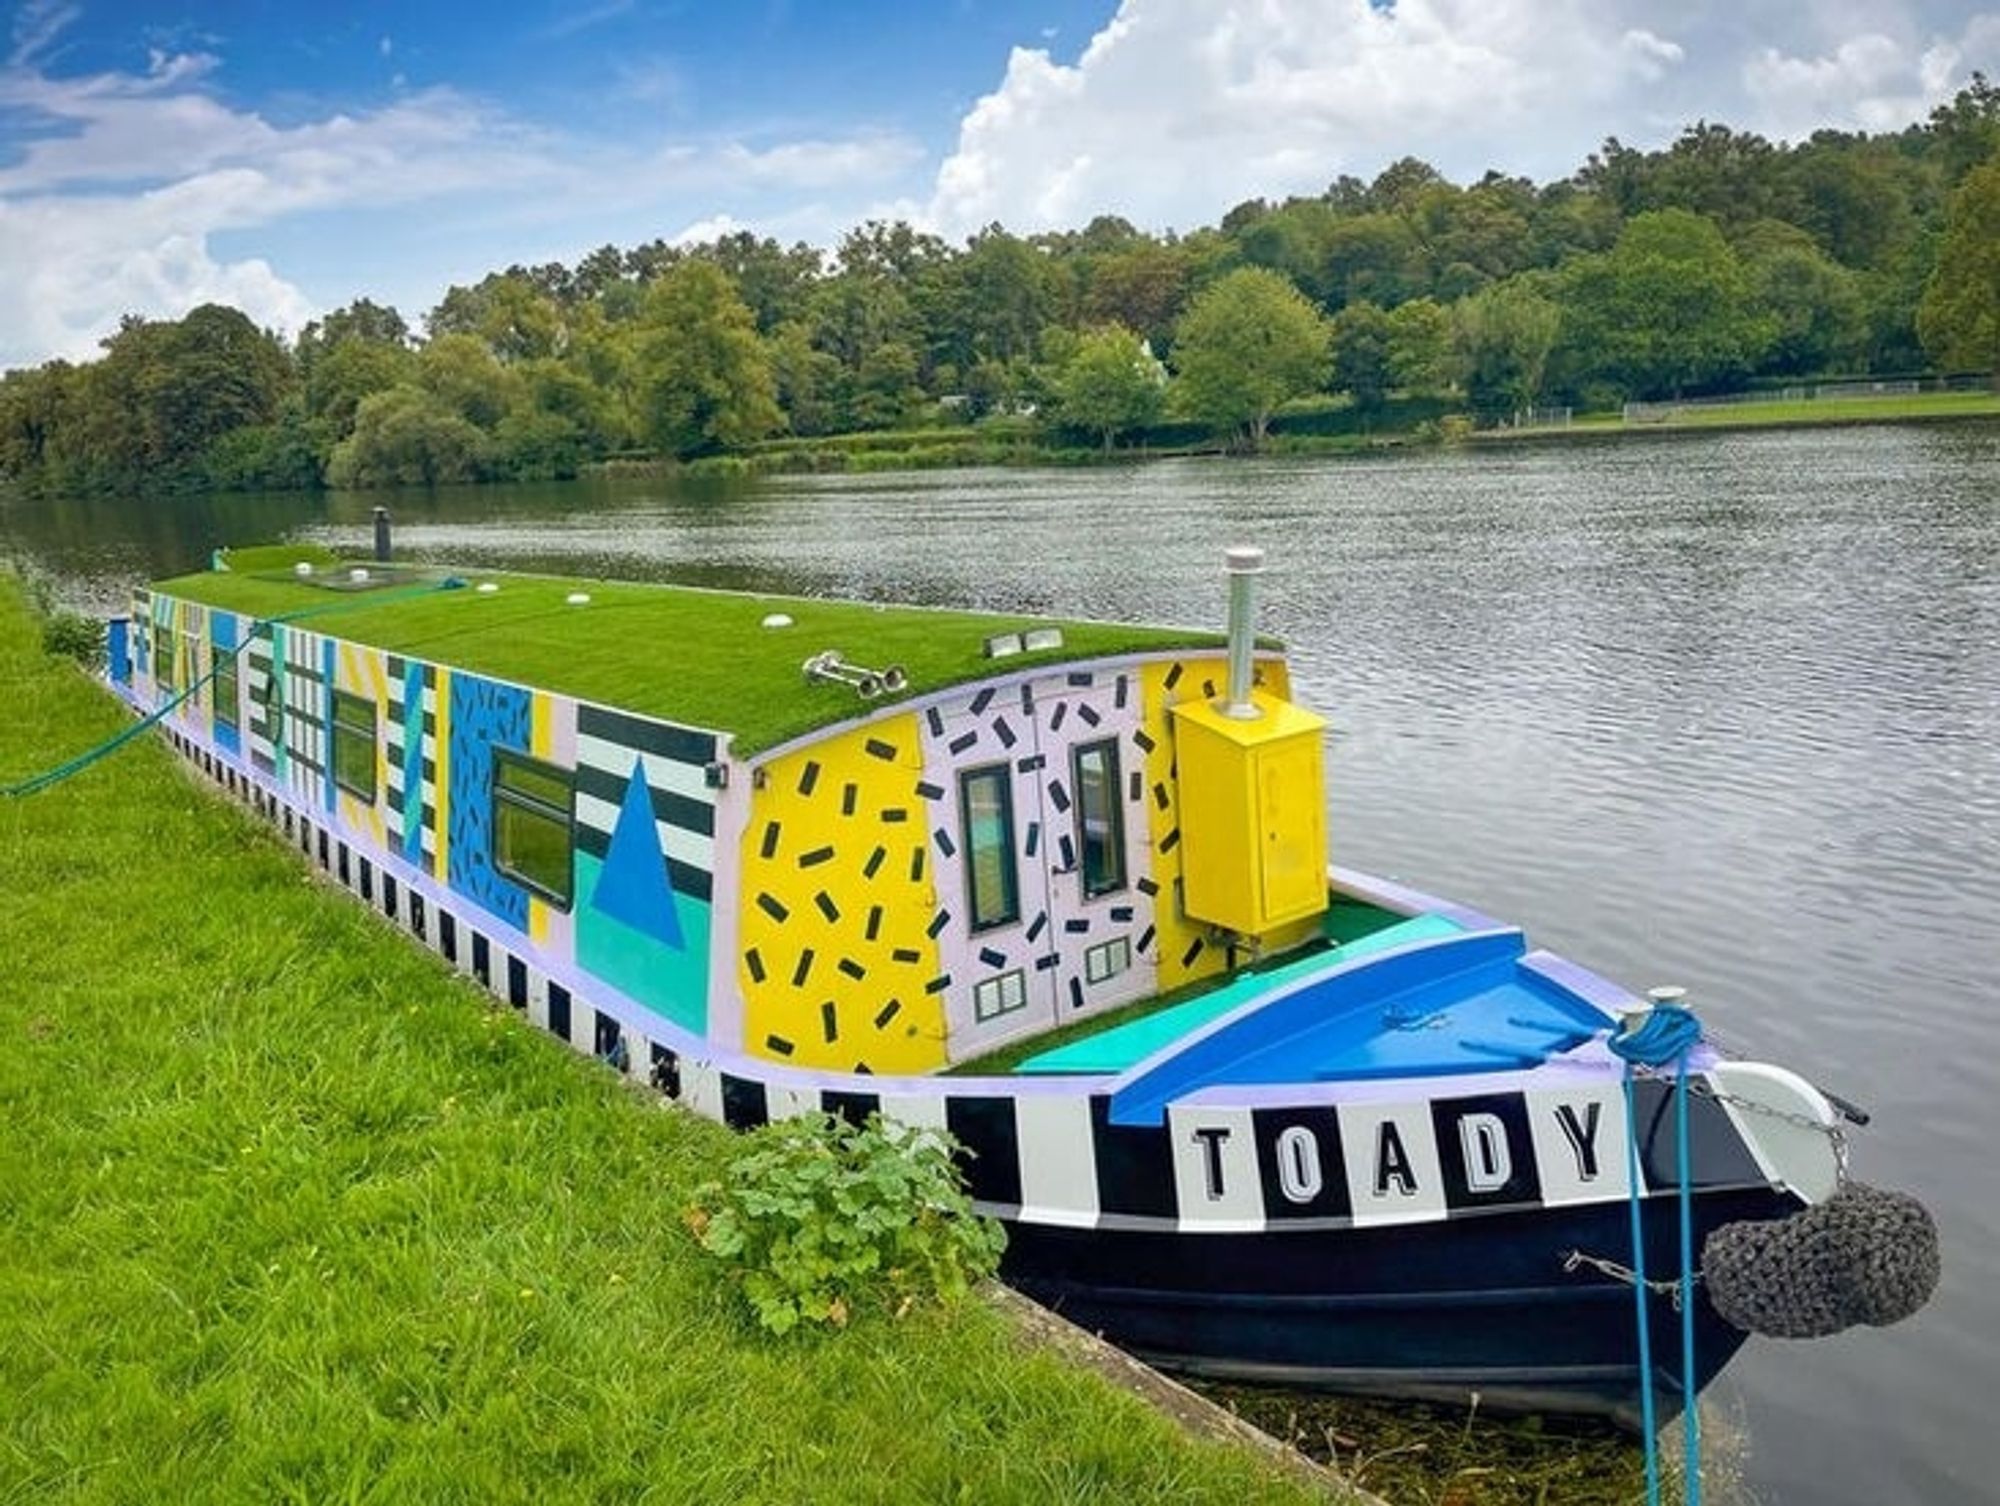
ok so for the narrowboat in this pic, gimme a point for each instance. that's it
(1061, 889)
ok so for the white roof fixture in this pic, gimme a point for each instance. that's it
(827, 664)
(487, 587)
(1003, 645)
(578, 598)
(1036, 639)
(778, 620)
(359, 574)
(302, 569)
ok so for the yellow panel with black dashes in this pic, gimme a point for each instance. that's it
(1253, 814)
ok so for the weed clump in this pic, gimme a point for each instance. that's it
(817, 1215)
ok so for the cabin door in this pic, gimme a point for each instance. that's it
(1094, 846)
(992, 880)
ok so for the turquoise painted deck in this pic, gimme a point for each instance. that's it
(1126, 1045)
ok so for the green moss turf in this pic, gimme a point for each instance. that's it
(697, 657)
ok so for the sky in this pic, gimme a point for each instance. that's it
(288, 156)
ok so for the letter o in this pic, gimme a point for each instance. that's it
(1298, 1164)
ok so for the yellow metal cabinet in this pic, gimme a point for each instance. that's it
(1253, 815)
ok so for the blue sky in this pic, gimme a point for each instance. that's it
(289, 157)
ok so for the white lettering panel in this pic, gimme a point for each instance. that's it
(1579, 1143)
(1215, 1169)
(1393, 1175)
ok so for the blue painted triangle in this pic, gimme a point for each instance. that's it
(634, 888)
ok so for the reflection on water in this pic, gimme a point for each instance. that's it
(1715, 710)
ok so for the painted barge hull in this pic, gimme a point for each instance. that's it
(1444, 1313)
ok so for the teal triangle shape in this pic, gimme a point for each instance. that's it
(634, 888)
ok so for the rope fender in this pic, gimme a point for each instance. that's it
(1863, 1256)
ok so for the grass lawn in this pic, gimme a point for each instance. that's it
(288, 1213)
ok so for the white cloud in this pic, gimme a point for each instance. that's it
(1178, 109)
(1871, 82)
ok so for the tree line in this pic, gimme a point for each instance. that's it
(1720, 261)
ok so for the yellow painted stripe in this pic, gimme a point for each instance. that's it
(541, 743)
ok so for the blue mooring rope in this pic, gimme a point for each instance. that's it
(35, 783)
(1668, 1033)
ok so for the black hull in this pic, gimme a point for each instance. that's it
(1434, 1312)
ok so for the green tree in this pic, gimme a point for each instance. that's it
(1669, 307)
(1959, 318)
(1818, 323)
(703, 374)
(1110, 383)
(1361, 336)
(1247, 344)
(1421, 358)
(1504, 336)
(408, 437)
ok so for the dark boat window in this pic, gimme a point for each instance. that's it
(1100, 819)
(163, 655)
(222, 665)
(354, 745)
(986, 807)
(534, 805)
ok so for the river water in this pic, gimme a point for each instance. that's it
(1716, 710)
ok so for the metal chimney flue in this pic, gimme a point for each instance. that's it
(382, 535)
(1242, 565)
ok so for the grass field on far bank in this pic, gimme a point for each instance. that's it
(1803, 413)
(288, 1213)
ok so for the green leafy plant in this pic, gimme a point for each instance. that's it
(73, 634)
(817, 1216)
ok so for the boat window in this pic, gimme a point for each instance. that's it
(1001, 994)
(163, 656)
(222, 667)
(1100, 820)
(986, 807)
(534, 806)
(354, 745)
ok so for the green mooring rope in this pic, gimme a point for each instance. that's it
(69, 767)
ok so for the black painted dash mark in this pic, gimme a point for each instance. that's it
(850, 797)
(1144, 743)
(874, 927)
(1041, 924)
(1171, 840)
(1034, 837)
(853, 969)
(754, 960)
(1061, 711)
(878, 749)
(938, 984)
(992, 958)
(829, 1021)
(894, 814)
(1121, 914)
(1145, 941)
(1135, 786)
(1193, 951)
(874, 863)
(1004, 732)
(779, 1044)
(928, 791)
(809, 776)
(944, 842)
(1075, 992)
(936, 720)
(916, 865)
(963, 741)
(938, 922)
(1090, 714)
(1121, 691)
(774, 908)
(804, 970)
(981, 701)
(1174, 676)
(826, 905)
(1161, 797)
(770, 847)
(906, 954)
(1076, 926)
(1147, 887)
(887, 1013)
(1058, 796)
(814, 858)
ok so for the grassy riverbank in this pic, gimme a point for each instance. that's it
(292, 1214)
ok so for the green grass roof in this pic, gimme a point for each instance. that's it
(698, 657)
